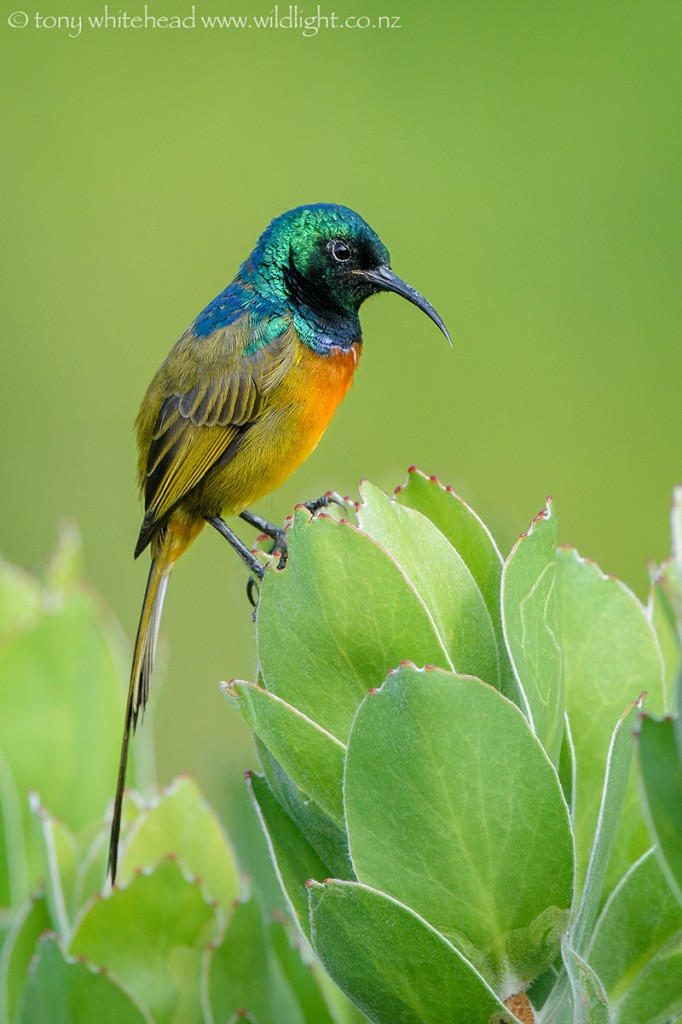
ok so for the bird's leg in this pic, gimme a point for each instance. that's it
(330, 498)
(277, 533)
(279, 547)
(239, 546)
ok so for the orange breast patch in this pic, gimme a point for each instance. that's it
(321, 382)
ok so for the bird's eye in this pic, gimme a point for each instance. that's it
(340, 250)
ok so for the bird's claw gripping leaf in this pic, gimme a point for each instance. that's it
(324, 501)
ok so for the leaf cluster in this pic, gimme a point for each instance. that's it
(448, 787)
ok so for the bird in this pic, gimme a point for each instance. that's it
(243, 397)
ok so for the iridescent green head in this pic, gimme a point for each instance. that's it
(326, 260)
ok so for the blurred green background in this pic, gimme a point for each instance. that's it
(522, 161)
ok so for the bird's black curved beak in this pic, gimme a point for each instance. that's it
(384, 278)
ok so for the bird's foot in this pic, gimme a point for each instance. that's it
(278, 536)
(276, 533)
(327, 499)
(277, 549)
(253, 594)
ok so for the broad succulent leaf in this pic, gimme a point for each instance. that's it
(151, 936)
(640, 925)
(392, 963)
(63, 991)
(441, 578)
(237, 976)
(303, 977)
(663, 618)
(616, 778)
(294, 858)
(445, 785)
(61, 677)
(531, 628)
(660, 769)
(471, 538)
(32, 921)
(334, 622)
(421, 825)
(611, 655)
(180, 822)
(328, 840)
(311, 756)
(655, 996)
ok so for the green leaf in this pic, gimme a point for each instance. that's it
(590, 1005)
(312, 757)
(392, 963)
(59, 857)
(466, 532)
(617, 774)
(640, 921)
(91, 874)
(542, 986)
(453, 808)
(336, 620)
(14, 875)
(63, 992)
(567, 766)
(660, 769)
(656, 996)
(531, 629)
(17, 952)
(238, 975)
(60, 690)
(151, 936)
(662, 616)
(471, 538)
(326, 838)
(611, 655)
(294, 859)
(302, 977)
(668, 582)
(180, 822)
(256, 969)
(441, 578)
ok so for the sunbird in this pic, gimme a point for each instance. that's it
(244, 396)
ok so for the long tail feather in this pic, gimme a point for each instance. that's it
(138, 689)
